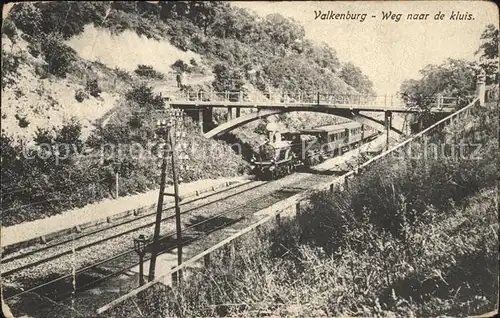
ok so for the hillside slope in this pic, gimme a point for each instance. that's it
(240, 49)
(90, 74)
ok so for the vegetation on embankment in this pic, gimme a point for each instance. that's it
(43, 60)
(412, 235)
(62, 170)
(243, 50)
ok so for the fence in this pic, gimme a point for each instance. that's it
(292, 204)
(312, 98)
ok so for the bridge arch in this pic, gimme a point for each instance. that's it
(263, 113)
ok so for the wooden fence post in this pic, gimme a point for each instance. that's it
(174, 278)
(206, 260)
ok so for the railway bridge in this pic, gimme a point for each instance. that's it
(358, 108)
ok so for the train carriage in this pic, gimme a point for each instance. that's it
(283, 153)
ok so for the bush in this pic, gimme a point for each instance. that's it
(9, 29)
(180, 66)
(143, 96)
(27, 17)
(10, 65)
(92, 87)
(123, 75)
(81, 95)
(23, 122)
(59, 57)
(148, 71)
(34, 49)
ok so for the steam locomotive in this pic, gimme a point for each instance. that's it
(284, 152)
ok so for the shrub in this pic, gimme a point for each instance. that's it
(180, 66)
(92, 87)
(26, 17)
(143, 96)
(58, 56)
(23, 122)
(34, 49)
(148, 71)
(9, 29)
(81, 95)
(122, 74)
(10, 65)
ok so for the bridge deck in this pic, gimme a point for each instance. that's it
(306, 106)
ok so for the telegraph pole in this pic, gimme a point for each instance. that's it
(164, 128)
(177, 208)
(159, 207)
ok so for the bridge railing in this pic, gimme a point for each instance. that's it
(290, 98)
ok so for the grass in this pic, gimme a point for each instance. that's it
(429, 274)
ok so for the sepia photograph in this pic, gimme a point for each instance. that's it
(249, 159)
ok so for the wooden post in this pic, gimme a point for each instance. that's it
(206, 260)
(116, 185)
(331, 188)
(230, 113)
(174, 278)
(278, 219)
(297, 208)
(388, 119)
(318, 98)
(238, 112)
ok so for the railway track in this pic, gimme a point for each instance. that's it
(127, 260)
(94, 271)
(13, 266)
(134, 223)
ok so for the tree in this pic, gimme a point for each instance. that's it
(143, 96)
(205, 13)
(489, 45)
(325, 57)
(488, 53)
(354, 77)
(282, 32)
(59, 56)
(227, 78)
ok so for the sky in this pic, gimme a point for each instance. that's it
(389, 52)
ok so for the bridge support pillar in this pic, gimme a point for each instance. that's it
(388, 124)
(238, 112)
(230, 113)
